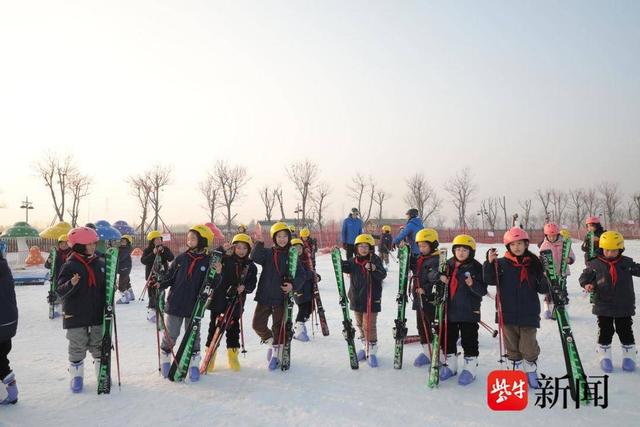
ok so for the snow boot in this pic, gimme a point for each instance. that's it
(274, 363)
(629, 358)
(423, 357)
(165, 363)
(76, 372)
(232, 358)
(605, 358)
(130, 295)
(194, 367)
(124, 298)
(373, 359)
(269, 342)
(547, 310)
(96, 368)
(300, 332)
(531, 368)
(151, 315)
(468, 374)
(212, 363)
(12, 390)
(450, 368)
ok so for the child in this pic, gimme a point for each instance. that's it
(273, 286)
(185, 277)
(310, 244)
(553, 241)
(304, 296)
(594, 230)
(81, 285)
(124, 270)
(466, 289)
(239, 276)
(62, 253)
(386, 243)
(425, 275)
(365, 294)
(519, 280)
(610, 277)
(148, 258)
(8, 327)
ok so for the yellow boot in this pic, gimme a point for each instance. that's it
(212, 363)
(232, 356)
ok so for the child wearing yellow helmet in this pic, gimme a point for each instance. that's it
(124, 270)
(62, 253)
(303, 297)
(610, 278)
(386, 244)
(155, 258)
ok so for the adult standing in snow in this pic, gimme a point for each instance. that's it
(8, 327)
(414, 224)
(351, 228)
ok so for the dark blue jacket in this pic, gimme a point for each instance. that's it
(610, 300)
(386, 243)
(427, 277)
(464, 306)
(8, 305)
(148, 258)
(351, 228)
(232, 271)
(413, 226)
(185, 286)
(274, 264)
(82, 305)
(124, 259)
(359, 287)
(520, 301)
(305, 294)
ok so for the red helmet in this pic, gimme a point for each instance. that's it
(551, 228)
(515, 234)
(593, 220)
(82, 236)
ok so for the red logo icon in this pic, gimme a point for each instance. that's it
(507, 390)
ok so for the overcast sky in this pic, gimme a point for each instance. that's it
(527, 94)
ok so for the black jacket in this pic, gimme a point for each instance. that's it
(83, 304)
(124, 259)
(148, 258)
(232, 270)
(427, 276)
(386, 243)
(274, 262)
(585, 245)
(360, 278)
(464, 306)
(8, 304)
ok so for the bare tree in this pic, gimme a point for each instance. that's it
(503, 205)
(319, 200)
(280, 198)
(559, 201)
(379, 200)
(211, 193)
(268, 197)
(141, 190)
(545, 199)
(636, 203)
(525, 205)
(610, 201)
(304, 175)
(157, 178)
(576, 198)
(78, 185)
(461, 189)
(357, 189)
(230, 180)
(56, 170)
(489, 210)
(591, 202)
(422, 196)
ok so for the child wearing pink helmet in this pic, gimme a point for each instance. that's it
(553, 241)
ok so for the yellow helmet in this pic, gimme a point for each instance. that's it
(292, 228)
(63, 238)
(279, 226)
(244, 238)
(566, 234)
(205, 232)
(427, 235)
(242, 226)
(386, 228)
(128, 237)
(153, 234)
(365, 238)
(464, 240)
(611, 240)
(305, 232)
(297, 242)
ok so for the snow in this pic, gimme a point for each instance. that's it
(320, 388)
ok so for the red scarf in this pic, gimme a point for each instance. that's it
(362, 263)
(276, 257)
(523, 266)
(192, 264)
(91, 276)
(453, 281)
(612, 268)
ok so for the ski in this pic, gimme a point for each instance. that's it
(324, 326)
(104, 374)
(591, 254)
(400, 328)
(52, 282)
(439, 299)
(347, 326)
(292, 266)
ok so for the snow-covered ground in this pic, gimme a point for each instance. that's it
(320, 388)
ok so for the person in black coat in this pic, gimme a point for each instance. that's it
(8, 328)
(303, 297)
(594, 231)
(148, 259)
(124, 270)
(239, 277)
(386, 244)
(81, 286)
(466, 289)
(610, 278)
(62, 253)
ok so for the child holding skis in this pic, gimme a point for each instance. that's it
(365, 294)
(610, 276)
(273, 286)
(239, 276)
(185, 277)
(518, 277)
(553, 241)
(81, 286)
(594, 231)
(62, 253)
(153, 249)
(386, 244)
(466, 289)
(304, 296)
(310, 244)
(124, 270)
(8, 328)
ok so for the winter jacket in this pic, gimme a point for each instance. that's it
(61, 258)
(426, 276)
(586, 243)
(124, 259)
(305, 294)
(274, 262)
(233, 269)
(386, 243)
(464, 306)
(518, 288)
(612, 298)
(82, 304)
(185, 277)
(556, 249)
(409, 231)
(351, 228)
(148, 258)
(360, 278)
(8, 304)
(311, 247)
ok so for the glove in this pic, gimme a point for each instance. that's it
(51, 298)
(318, 278)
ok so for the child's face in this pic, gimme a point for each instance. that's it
(611, 253)
(363, 249)
(282, 238)
(123, 242)
(241, 249)
(518, 247)
(63, 246)
(591, 227)
(552, 237)
(299, 249)
(91, 249)
(461, 253)
(192, 240)
(157, 241)
(425, 248)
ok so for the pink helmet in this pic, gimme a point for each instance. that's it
(515, 234)
(593, 220)
(82, 236)
(551, 228)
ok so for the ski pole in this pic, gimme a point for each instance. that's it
(499, 309)
(494, 332)
(115, 330)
